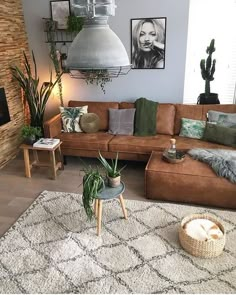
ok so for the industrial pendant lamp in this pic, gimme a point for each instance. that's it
(96, 50)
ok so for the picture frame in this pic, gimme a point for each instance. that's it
(60, 10)
(148, 42)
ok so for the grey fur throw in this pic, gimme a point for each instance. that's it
(223, 162)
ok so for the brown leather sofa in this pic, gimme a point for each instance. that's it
(132, 147)
(188, 182)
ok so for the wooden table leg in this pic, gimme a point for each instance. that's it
(36, 158)
(99, 219)
(27, 163)
(96, 207)
(61, 158)
(123, 206)
(53, 163)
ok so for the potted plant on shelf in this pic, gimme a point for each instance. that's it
(207, 70)
(30, 134)
(113, 173)
(93, 183)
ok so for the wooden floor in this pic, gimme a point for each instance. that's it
(17, 192)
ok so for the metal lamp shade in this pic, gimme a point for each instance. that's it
(96, 47)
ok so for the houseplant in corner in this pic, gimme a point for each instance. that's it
(112, 170)
(30, 134)
(93, 183)
(207, 70)
(36, 96)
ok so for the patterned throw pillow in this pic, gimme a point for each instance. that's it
(71, 117)
(223, 119)
(192, 128)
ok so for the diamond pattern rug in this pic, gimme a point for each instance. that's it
(52, 248)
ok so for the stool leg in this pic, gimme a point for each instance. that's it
(27, 163)
(123, 206)
(96, 207)
(53, 163)
(99, 219)
(61, 158)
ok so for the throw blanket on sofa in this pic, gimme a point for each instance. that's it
(223, 162)
(145, 117)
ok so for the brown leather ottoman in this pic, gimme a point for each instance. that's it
(189, 182)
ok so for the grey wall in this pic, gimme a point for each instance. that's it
(163, 85)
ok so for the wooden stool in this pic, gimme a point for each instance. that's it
(107, 194)
(53, 164)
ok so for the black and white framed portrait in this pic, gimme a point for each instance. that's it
(60, 10)
(148, 42)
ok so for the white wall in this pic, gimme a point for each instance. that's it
(163, 85)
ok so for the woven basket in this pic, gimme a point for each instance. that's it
(205, 249)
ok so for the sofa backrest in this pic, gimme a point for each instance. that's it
(98, 107)
(198, 112)
(165, 116)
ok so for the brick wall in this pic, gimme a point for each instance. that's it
(13, 42)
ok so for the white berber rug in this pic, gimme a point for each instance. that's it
(52, 248)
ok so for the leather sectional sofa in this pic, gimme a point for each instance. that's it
(140, 148)
(132, 147)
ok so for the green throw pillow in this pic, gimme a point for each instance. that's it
(220, 134)
(192, 128)
(71, 118)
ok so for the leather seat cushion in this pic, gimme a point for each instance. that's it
(86, 141)
(136, 144)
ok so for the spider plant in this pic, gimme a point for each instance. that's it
(112, 168)
(35, 96)
(93, 183)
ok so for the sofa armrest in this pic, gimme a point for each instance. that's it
(53, 126)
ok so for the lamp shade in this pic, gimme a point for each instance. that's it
(96, 46)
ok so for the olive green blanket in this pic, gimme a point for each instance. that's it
(145, 117)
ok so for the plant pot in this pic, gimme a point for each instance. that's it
(30, 140)
(211, 99)
(113, 182)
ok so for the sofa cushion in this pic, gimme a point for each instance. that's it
(226, 108)
(192, 128)
(121, 121)
(185, 144)
(165, 116)
(220, 134)
(193, 112)
(142, 145)
(71, 118)
(98, 107)
(221, 118)
(86, 141)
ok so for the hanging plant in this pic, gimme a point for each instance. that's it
(74, 23)
(51, 27)
(97, 77)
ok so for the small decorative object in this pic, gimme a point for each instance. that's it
(148, 37)
(180, 157)
(171, 152)
(63, 56)
(93, 183)
(90, 123)
(202, 235)
(30, 134)
(113, 173)
(60, 10)
(207, 71)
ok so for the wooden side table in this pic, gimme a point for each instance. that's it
(54, 164)
(107, 194)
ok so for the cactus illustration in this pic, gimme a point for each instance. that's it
(208, 67)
